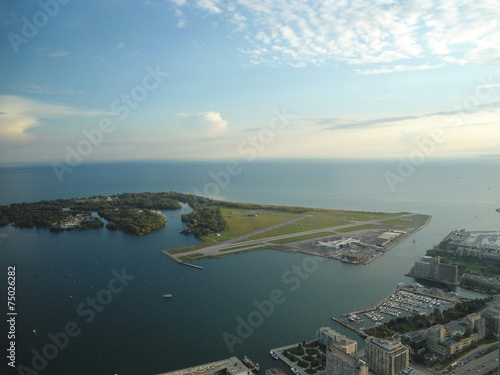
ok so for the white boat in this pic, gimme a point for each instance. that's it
(167, 296)
(295, 371)
(274, 355)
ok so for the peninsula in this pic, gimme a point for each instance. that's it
(355, 237)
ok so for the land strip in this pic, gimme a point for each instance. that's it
(300, 232)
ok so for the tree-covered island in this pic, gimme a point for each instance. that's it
(133, 213)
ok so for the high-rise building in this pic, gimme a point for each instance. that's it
(491, 314)
(477, 324)
(498, 338)
(431, 268)
(328, 336)
(340, 363)
(423, 268)
(447, 273)
(386, 357)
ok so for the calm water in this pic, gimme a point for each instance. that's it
(139, 332)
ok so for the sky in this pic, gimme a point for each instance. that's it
(105, 80)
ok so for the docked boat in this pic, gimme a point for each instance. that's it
(253, 366)
(274, 355)
(295, 371)
(167, 296)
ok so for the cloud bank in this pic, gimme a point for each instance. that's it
(300, 32)
(19, 114)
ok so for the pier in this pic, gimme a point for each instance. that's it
(352, 328)
(183, 263)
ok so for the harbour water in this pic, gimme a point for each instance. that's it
(139, 332)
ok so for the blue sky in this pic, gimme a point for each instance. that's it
(245, 79)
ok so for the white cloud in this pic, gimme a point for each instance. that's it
(450, 134)
(305, 32)
(178, 3)
(399, 68)
(19, 114)
(206, 122)
(211, 6)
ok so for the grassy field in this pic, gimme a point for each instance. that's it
(246, 219)
(423, 219)
(407, 326)
(359, 227)
(300, 238)
(187, 249)
(240, 223)
(350, 215)
(234, 248)
(187, 258)
(469, 265)
(300, 226)
(403, 222)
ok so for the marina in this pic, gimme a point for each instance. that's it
(405, 301)
(253, 366)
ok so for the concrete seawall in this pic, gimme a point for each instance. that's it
(183, 263)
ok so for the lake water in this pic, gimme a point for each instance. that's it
(139, 332)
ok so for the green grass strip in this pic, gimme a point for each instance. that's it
(301, 238)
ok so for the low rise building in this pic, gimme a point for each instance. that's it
(446, 342)
(482, 244)
(410, 371)
(488, 283)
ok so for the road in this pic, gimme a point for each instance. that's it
(482, 365)
(467, 365)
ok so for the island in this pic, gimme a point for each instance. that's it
(129, 212)
(354, 237)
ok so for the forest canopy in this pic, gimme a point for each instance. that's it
(133, 213)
